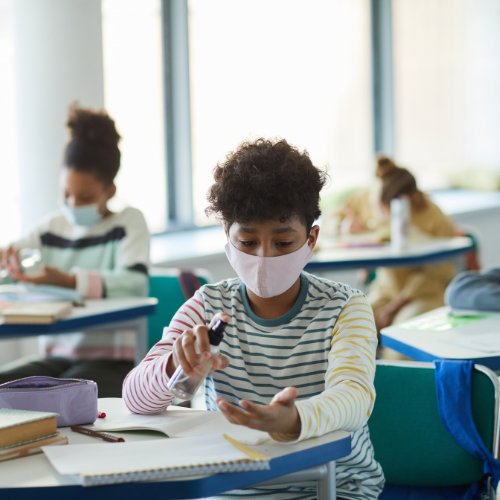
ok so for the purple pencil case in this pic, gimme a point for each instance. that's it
(74, 399)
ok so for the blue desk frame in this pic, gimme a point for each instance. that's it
(187, 489)
(133, 317)
(395, 261)
(73, 324)
(491, 362)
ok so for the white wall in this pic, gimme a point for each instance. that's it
(57, 59)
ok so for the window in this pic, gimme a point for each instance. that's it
(10, 215)
(288, 68)
(446, 81)
(133, 88)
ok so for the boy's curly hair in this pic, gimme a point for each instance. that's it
(264, 180)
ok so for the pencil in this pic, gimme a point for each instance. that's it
(101, 435)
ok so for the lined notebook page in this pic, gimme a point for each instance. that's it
(117, 458)
(182, 423)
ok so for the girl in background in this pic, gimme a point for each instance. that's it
(399, 293)
(87, 247)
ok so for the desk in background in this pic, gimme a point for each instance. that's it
(34, 477)
(430, 252)
(429, 345)
(96, 316)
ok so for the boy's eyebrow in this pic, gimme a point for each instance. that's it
(251, 230)
(280, 230)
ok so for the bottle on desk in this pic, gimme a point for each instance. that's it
(184, 387)
(400, 223)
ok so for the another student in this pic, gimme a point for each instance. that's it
(299, 351)
(87, 247)
(471, 290)
(399, 293)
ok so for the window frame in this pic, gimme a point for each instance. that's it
(176, 87)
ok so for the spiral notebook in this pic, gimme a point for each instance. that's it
(98, 464)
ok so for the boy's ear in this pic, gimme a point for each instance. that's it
(313, 237)
(111, 191)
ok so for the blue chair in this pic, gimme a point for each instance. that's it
(409, 439)
(164, 285)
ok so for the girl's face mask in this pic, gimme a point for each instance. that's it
(85, 215)
(268, 276)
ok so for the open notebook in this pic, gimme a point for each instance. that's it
(180, 422)
(97, 464)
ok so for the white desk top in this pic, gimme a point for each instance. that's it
(422, 253)
(103, 306)
(92, 313)
(429, 345)
(36, 471)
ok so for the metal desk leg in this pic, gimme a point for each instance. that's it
(141, 339)
(327, 488)
(324, 475)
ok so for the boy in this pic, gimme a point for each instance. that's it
(298, 355)
(90, 249)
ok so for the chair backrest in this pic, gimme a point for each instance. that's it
(409, 439)
(164, 285)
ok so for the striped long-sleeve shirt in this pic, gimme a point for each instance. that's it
(324, 346)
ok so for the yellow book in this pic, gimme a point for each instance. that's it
(33, 448)
(36, 313)
(23, 426)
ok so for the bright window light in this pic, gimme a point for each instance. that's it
(133, 87)
(10, 214)
(289, 68)
(446, 82)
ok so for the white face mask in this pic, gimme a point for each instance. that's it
(268, 276)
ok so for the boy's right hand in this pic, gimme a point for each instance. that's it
(9, 260)
(184, 353)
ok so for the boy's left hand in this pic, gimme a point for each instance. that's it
(279, 416)
(48, 276)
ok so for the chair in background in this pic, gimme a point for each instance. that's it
(409, 439)
(164, 284)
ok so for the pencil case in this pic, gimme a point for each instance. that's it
(74, 399)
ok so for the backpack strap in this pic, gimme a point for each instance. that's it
(453, 385)
(188, 282)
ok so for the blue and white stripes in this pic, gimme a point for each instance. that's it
(325, 347)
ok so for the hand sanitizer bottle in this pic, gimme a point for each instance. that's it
(184, 387)
(400, 223)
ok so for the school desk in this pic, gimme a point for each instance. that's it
(96, 316)
(430, 252)
(426, 337)
(313, 459)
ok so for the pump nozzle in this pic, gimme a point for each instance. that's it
(216, 333)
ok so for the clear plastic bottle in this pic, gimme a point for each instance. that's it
(184, 387)
(400, 223)
(31, 261)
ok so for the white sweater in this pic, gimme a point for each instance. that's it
(109, 259)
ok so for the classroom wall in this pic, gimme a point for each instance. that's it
(58, 59)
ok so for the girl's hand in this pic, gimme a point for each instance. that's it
(352, 224)
(385, 316)
(48, 276)
(9, 260)
(184, 352)
(279, 416)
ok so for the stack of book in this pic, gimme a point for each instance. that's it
(35, 313)
(23, 433)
